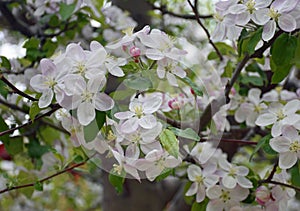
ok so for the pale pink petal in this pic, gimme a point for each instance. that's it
(219, 33)
(161, 72)
(103, 102)
(153, 172)
(171, 162)
(266, 119)
(132, 171)
(46, 98)
(287, 160)
(269, 30)
(130, 125)
(124, 115)
(290, 132)
(214, 192)
(254, 95)
(96, 83)
(48, 68)
(172, 79)
(152, 104)
(147, 122)
(261, 16)
(74, 84)
(291, 107)
(229, 182)
(280, 144)
(244, 182)
(287, 23)
(200, 194)
(154, 54)
(38, 83)
(193, 171)
(86, 113)
(277, 129)
(192, 190)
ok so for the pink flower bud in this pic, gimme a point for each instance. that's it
(263, 195)
(192, 91)
(135, 51)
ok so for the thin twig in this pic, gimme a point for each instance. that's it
(195, 10)
(164, 11)
(16, 90)
(235, 141)
(13, 106)
(54, 108)
(281, 184)
(45, 179)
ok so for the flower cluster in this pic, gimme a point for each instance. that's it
(233, 15)
(212, 176)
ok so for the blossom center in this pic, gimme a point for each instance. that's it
(117, 168)
(218, 17)
(138, 110)
(199, 179)
(232, 172)
(225, 196)
(87, 96)
(81, 68)
(250, 6)
(295, 146)
(280, 115)
(274, 14)
(50, 82)
(111, 136)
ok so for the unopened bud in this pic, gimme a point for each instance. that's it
(263, 195)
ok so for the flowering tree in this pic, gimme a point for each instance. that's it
(203, 105)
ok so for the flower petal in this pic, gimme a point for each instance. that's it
(269, 30)
(86, 113)
(287, 23)
(103, 102)
(148, 122)
(287, 160)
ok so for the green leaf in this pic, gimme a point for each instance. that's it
(35, 149)
(254, 80)
(14, 146)
(268, 149)
(296, 59)
(116, 181)
(295, 173)
(137, 83)
(248, 41)
(283, 52)
(38, 186)
(34, 110)
(224, 50)
(198, 90)
(188, 199)
(3, 127)
(32, 43)
(4, 62)
(188, 133)
(91, 130)
(228, 70)
(4, 90)
(66, 10)
(200, 206)
(170, 142)
(259, 145)
(165, 173)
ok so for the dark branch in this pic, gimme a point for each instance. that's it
(16, 90)
(54, 108)
(164, 11)
(195, 10)
(46, 178)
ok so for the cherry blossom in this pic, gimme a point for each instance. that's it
(140, 114)
(222, 198)
(127, 161)
(48, 82)
(86, 96)
(279, 115)
(155, 162)
(169, 68)
(233, 175)
(288, 147)
(201, 179)
(249, 110)
(85, 63)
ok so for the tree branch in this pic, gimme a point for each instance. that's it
(46, 178)
(164, 11)
(15, 89)
(55, 107)
(195, 10)
(281, 184)
(208, 113)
